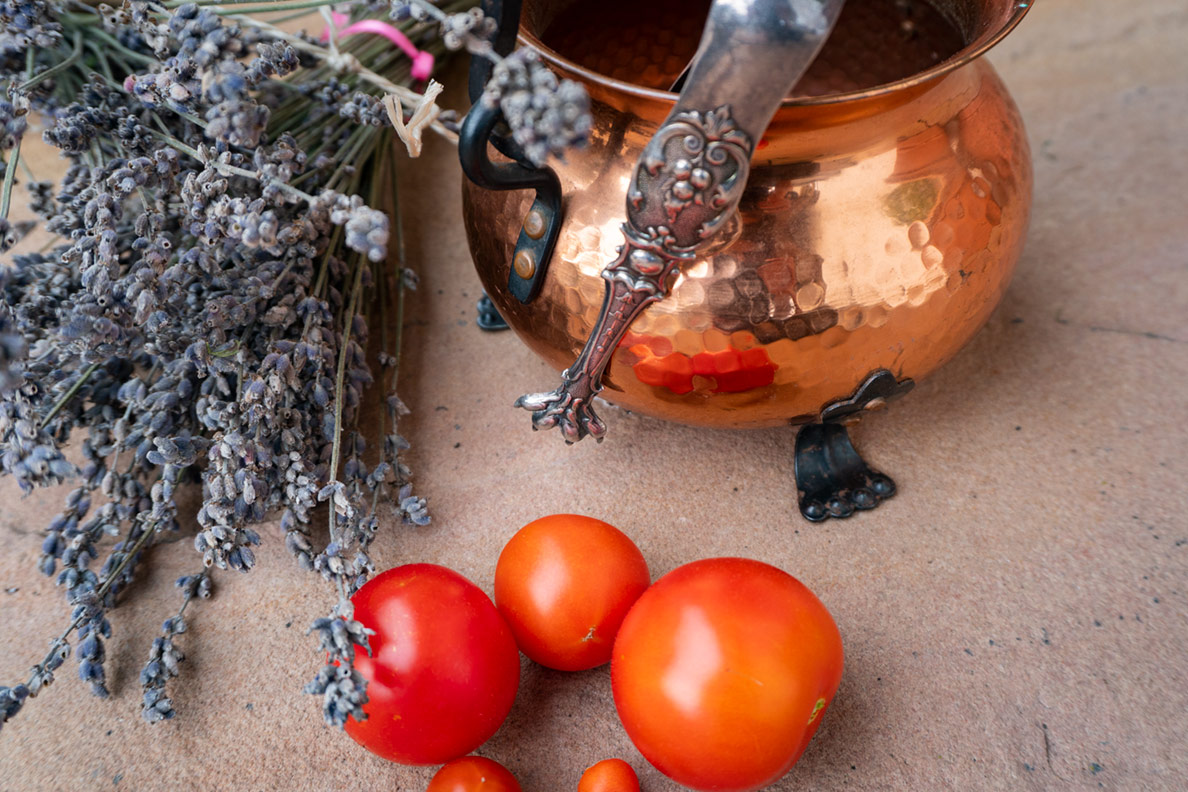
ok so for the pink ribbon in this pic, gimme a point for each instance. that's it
(422, 62)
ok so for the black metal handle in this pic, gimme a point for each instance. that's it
(542, 224)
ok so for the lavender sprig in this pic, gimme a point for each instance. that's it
(342, 688)
(164, 656)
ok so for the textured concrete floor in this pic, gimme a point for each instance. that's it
(1016, 619)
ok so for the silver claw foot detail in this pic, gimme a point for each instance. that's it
(573, 415)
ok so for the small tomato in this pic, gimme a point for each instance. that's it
(473, 774)
(443, 669)
(609, 775)
(564, 584)
(722, 673)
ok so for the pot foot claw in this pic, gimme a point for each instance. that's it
(488, 317)
(831, 477)
(573, 415)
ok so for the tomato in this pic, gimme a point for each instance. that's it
(564, 584)
(473, 774)
(444, 667)
(609, 775)
(722, 672)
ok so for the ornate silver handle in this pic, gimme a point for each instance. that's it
(690, 177)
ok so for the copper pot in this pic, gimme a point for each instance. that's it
(885, 210)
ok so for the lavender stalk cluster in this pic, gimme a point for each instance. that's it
(545, 114)
(201, 319)
(25, 24)
(201, 322)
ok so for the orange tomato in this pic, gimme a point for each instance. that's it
(609, 775)
(722, 672)
(473, 774)
(563, 584)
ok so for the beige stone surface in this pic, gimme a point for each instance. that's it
(1015, 619)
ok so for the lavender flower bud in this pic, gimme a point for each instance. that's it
(546, 115)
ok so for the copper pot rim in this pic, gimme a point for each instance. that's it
(978, 47)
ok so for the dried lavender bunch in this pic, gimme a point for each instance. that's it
(204, 314)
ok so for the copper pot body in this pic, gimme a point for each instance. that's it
(878, 230)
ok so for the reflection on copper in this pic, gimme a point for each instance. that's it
(879, 229)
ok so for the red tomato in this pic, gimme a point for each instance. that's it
(722, 672)
(443, 670)
(564, 584)
(609, 775)
(473, 774)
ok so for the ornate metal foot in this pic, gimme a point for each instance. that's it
(570, 408)
(488, 315)
(833, 480)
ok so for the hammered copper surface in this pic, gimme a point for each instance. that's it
(878, 230)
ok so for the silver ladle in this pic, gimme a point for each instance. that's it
(690, 177)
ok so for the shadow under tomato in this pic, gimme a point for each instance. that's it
(551, 709)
